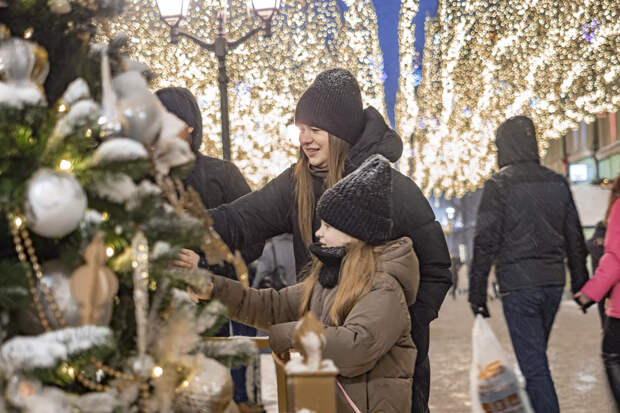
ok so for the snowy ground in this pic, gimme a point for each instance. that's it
(574, 354)
(574, 357)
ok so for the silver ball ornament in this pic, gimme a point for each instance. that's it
(208, 390)
(139, 109)
(57, 277)
(19, 388)
(55, 203)
(141, 118)
(22, 61)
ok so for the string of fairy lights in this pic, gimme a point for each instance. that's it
(486, 60)
(266, 75)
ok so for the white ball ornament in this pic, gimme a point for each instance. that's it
(209, 389)
(55, 203)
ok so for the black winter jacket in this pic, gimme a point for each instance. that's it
(527, 225)
(216, 181)
(272, 210)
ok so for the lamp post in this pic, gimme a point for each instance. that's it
(172, 12)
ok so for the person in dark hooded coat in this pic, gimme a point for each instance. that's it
(336, 136)
(527, 226)
(217, 182)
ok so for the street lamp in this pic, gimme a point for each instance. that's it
(172, 12)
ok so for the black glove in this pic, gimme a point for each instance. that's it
(480, 309)
(585, 307)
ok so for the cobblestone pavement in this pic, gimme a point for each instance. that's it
(574, 357)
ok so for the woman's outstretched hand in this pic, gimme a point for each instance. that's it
(197, 296)
(187, 259)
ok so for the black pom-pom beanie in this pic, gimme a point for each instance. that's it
(360, 204)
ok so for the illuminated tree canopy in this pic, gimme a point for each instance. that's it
(267, 75)
(487, 60)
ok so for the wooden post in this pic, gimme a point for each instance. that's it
(315, 391)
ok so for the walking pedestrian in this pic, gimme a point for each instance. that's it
(527, 226)
(605, 283)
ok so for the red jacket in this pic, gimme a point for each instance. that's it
(607, 274)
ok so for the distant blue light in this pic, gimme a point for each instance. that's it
(589, 30)
(417, 77)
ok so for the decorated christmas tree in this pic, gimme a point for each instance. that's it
(93, 314)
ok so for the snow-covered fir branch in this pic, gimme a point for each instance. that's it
(77, 90)
(115, 187)
(82, 113)
(119, 150)
(18, 96)
(233, 352)
(48, 349)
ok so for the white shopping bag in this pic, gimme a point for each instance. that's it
(493, 383)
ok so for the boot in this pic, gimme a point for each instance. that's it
(612, 367)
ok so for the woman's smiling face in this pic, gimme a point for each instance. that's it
(315, 144)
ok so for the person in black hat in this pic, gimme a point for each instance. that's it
(337, 134)
(359, 285)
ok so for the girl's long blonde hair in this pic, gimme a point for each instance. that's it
(356, 274)
(338, 150)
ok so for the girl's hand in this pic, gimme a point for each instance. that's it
(187, 259)
(582, 299)
(197, 296)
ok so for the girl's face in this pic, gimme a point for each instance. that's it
(315, 144)
(331, 237)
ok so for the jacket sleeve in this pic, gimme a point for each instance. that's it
(487, 240)
(607, 273)
(371, 329)
(237, 186)
(256, 216)
(414, 218)
(259, 308)
(576, 251)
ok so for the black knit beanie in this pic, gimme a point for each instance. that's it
(182, 103)
(333, 102)
(360, 204)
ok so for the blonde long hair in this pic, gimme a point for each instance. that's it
(356, 274)
(338, 150)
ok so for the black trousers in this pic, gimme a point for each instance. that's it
(420, 335)
(611, 356)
